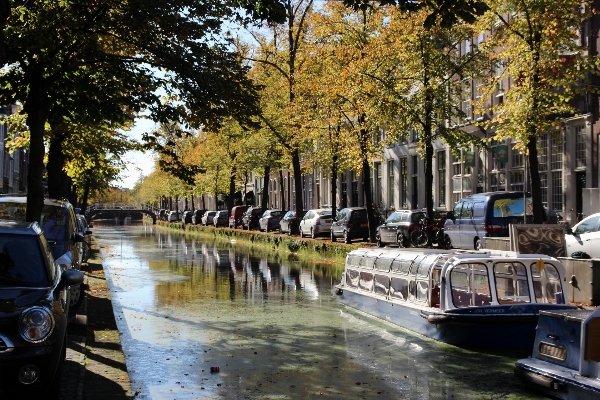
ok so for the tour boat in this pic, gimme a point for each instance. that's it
(468, 298)
(565, 363)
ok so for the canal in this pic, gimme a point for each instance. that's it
(206, 319)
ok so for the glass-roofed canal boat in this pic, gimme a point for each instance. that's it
(484, 299)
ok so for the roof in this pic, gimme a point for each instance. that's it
(19, 228)
(23, 200)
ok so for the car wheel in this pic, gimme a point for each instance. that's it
(332, 236)
(378, 240)
(400, 240)
(477, 245)
(347, 238)
(312, 233)
(75, 297)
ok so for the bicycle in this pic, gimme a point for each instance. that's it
(420, 237)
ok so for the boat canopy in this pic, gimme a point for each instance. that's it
(455, 279)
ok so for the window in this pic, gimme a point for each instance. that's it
(318, 186)
(544, 187)
(546, 284)
(556, 164)
(325, 196)
(543, 153)
(378, 194)
(517, 158)
(580, 146)
(556, 154)
(470, 285)
(516, 181)
(587, 225)
(354, 188)
(441, 159)
(390, 184)
(310, 191)
(415, 182)
(404, 182)
(511, 283)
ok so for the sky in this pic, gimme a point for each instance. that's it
(138, 163)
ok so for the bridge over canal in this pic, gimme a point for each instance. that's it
(112, 212)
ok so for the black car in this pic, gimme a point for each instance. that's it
(186, 218)
(162, 215)
(197, 216)
(397, 228)
(350, 223)
(251, 217)
(289, 223)
(33, 316)
(61, 228)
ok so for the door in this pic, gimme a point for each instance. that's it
(451, 226)
(585, 237)
(465, 226)
(336, 226)
(304, 224)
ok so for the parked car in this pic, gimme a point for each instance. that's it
(197, 216)
(186, 217)
(235, 218)
(34, 312)
(87, 237)
(251, 217)
(221, 218)
(269, 221)
(162, 215)
(315, 223)
(207, 218)
(585, 237)
(397, 227)
(174, 216)
(61, 229)
(350, 223)
(484, 215)
(289, 223)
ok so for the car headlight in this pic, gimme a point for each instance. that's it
(35, 324)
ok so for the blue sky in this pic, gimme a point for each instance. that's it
(137, 162)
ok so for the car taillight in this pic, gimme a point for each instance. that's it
(413, 227)
(493, 228)
(318, 222)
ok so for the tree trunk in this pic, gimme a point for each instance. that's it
(281, 191)
(36, 109)
(298, 184)
(373, 223)
(56, 161)
(334, 176)
(231, 188)
(539, 216)
(265, 198)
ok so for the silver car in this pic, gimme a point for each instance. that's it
(207, 218)
(315, 222)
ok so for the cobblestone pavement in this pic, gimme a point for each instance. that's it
(95, 365)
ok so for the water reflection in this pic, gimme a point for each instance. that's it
(271, 324)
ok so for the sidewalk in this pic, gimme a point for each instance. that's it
(95, 365)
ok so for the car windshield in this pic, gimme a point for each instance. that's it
(53, 221)
(21, 262)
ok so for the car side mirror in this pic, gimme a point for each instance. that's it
(78, 238)
(70, 277)
(569, 231)
(88, 232)
(450, 215)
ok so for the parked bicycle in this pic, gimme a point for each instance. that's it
(427, 235)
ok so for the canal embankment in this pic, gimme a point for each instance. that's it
(313, 249)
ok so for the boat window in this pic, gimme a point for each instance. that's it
(382, 284)
(470, 285)
(399, 288)
(401, 266)
(422, 291)
(546, 284)
(365, 261)
(354, 261)
(511, 283)
(366, 281)
(426, 264)
(383, 264)
(436, 274)
(352, 278)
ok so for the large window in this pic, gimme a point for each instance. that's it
(511, 283)
(318, 186)
(580, 146)
(556, 164)
(441, 159)
(354, 189)
(403, 183)
(470, 285)
(390, 185)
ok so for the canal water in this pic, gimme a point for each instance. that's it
(213, 319)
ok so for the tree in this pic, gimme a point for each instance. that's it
(279, 61)
(420, 75)
(47, 43)
(534, 44)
